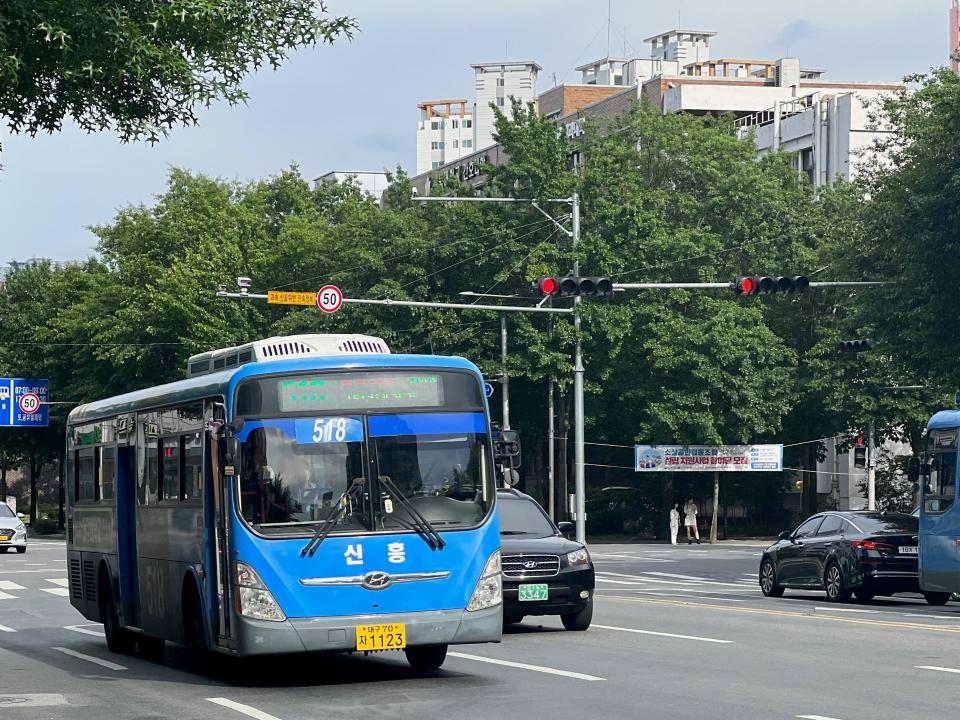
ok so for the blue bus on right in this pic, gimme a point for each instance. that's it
(936, 473)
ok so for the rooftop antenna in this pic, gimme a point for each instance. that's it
(554, 79)
(608, 27)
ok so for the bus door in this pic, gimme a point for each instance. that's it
(126, 498)
(940, 514)
(217, 522)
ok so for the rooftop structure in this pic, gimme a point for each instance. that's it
(683, 46)
(444, 132)
(495, 83)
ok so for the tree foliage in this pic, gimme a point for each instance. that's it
(143, 68)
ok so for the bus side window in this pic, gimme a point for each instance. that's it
(86, 474)
(193, 466)
(170, 449)
(941, 486)
(107, 471)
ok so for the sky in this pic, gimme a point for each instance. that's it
(352, 106)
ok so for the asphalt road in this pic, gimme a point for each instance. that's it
(679, 632)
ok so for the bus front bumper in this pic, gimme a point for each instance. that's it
(338, 634)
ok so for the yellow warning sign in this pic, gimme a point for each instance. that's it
(282, 297)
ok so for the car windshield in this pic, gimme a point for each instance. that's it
(887, 523)
(295, 470)
(6, 512)
(524, 517)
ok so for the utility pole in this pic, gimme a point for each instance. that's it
(551, 480)
(871, 470)
(505, 379)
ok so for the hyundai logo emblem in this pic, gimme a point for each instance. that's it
(376, 580)
(530, 564)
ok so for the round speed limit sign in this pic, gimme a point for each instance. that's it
(329, 298)
(29, 403)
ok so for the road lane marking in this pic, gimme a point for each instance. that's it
(786, 613)
(848, 610)
(83, 629)
(7, 596)
(90, 658)
(4, 628)
(7, 585)
(680, 595)
(62, 582)
(247, 710)
(937, 668)
(816, 717)
(645, 577)
(663, 634)
(525, 666)
(63, 592)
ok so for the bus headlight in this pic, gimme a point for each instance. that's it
(254, 599)
(489, 590)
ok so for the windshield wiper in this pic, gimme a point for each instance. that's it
(419, 521)
(323, 530)
(428, 538)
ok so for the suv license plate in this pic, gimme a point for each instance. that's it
(908, 549)
(382, 637)
(536, 591)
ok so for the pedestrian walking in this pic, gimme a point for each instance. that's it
(674, 523)
(690, 521)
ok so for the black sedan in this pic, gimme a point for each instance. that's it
(544, 573)
(844, 553)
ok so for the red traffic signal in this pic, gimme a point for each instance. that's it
(548, 285)
(767, 285)
(860, 442)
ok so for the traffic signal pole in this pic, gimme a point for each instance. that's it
(505, 380)
(579, 481)
(871, 470)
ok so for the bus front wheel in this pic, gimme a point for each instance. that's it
(426, 658)
(195, 628)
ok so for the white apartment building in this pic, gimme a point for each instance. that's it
(445, 133)
(496, 83)
(370, 182)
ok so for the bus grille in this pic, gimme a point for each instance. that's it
(530, 566)
(89, 581)
(70, 531)
(76, 586)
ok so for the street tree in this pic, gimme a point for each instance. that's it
(141, 69)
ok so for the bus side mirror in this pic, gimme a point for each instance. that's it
(913, 469)
(231, 454)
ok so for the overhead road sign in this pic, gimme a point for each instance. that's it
(282, 297)
(23, 403)
(708, 458)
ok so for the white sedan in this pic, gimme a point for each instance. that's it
(13, 533)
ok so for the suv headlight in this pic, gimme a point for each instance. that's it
(578, 558)
(254, 599)
(489, 590)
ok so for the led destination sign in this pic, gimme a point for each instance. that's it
(359, 391)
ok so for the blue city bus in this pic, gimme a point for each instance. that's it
(295, 494)
(936, 470)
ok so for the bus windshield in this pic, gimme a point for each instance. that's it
(297, 463)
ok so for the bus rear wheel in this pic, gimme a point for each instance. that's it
(119, 639)
(195, 628)
(426, 658)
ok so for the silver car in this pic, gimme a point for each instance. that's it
(12, 531)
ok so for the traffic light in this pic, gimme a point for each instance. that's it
(768, 285)
(855, 346)
(506, 447)
(570, 286)
(860, 453)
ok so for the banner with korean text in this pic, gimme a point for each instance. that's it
(708, 458)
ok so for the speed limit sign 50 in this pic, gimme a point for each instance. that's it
(329, 298)
(29, 403)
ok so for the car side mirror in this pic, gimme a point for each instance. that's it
(913, 469)
(785, 535)
(566, 528)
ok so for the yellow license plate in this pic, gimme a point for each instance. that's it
(382, 637)
(4, 538)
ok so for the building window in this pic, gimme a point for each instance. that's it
(436, 125)
(456, 144)
(454, 124)
(468, 143)
(436, 163)
(499, 82)
(500, 101)
(468, 123)
(436, 145)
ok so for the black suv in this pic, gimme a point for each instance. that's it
(544, 573)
